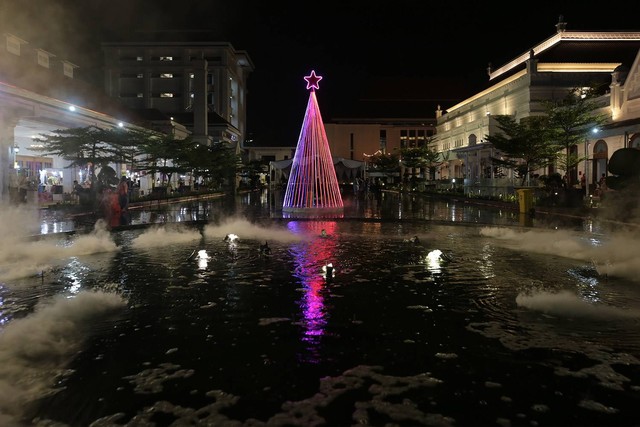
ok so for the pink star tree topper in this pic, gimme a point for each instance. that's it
(313, 80)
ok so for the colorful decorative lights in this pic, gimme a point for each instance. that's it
(312, 182)
(313, 80)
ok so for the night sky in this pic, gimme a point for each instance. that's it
(351, 43)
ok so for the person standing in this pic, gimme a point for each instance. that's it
(603, 180)
(123, 200)
(77, 190)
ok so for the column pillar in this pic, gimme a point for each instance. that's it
(8, 122)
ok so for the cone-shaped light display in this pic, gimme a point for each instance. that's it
(312, 184)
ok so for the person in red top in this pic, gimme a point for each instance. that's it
(123, 200)
(110, 207)
(116, 211)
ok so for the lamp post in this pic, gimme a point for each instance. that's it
(586, 168)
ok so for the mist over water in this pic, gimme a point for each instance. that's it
(36, 349)
(566, 304)
(612, 255)
(248, 230)
(23, 256)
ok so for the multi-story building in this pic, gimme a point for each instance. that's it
(39, 93)
(202, 85)
(359, 139)
(549, 70)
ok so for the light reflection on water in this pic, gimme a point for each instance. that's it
(310, 255)
(494, 330)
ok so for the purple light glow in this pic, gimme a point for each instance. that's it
(309, 257)
(312, 183)
(313, 80)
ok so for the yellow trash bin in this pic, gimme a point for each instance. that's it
(525, 199)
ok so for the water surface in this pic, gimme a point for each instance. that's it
(478, 322)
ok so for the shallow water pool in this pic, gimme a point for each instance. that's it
(468, 325)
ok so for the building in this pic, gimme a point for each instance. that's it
(201, 84)
(564, 61)
(39, 93)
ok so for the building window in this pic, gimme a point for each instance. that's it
(140, 75)
(67, 69)
(166, 58)
(140, 95)
(166, 75)
(43, 59)
(13, 45)
(139, 58)
(404, 139)
(383, 139)
(166, 95)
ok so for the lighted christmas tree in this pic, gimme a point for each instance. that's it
(313, 185)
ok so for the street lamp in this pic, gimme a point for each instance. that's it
(586, 168)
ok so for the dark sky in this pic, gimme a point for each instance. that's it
(349, 43)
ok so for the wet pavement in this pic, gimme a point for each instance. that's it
(388, 206)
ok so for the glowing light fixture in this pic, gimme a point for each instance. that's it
(434, 260)
(328, 271)
(203, 259)
(313, 80)
(231, 237)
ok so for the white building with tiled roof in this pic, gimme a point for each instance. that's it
(564, 61)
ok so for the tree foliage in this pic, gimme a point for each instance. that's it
(81, 147)
(424, 157)
(524, 146)
(570, 119)
(539, 141)
(216, 164)
(143, 150)
(385, 162)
